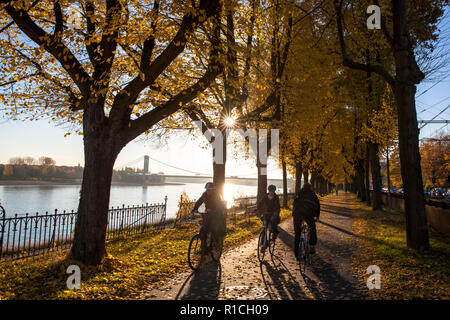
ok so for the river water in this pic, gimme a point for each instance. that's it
(23, 199)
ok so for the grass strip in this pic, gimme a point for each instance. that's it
(405, 273)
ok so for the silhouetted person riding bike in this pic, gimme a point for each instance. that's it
(269, 208)
(306, 208)
(214, 219)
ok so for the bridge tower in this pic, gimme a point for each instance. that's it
(146, 159)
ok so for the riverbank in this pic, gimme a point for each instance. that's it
(75, 182)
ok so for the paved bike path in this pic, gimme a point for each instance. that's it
(240, 275)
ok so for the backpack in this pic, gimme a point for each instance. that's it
(303, 206)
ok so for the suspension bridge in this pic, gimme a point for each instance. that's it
(142, 164)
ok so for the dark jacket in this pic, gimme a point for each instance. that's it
(269, 206)
(306, 203)
(213, 202)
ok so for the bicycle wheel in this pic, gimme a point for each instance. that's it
(195, 252)
(216, 249)
(302, 256)
(261, 246)
(271, 243)
(308, 254)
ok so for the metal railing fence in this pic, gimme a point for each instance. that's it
(29, 235)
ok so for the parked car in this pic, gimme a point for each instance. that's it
(438, 193)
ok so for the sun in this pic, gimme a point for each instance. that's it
(229, 121)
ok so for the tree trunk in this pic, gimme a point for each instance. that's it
(88, 245)
(354, 186)
(262, 181)
(305, 176)
(320, 185)
(407, 75)
(313, 181)
(324, 185)
(285, 202)
(360, 181)
(416, 222)
(219, 177)
(298, 176)
(262, 174)
(376, 177)
(219, 168)
(388, 178)
(366, 173)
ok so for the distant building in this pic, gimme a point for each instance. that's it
(139, 178)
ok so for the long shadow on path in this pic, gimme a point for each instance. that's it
(203, 284)
(331, 284)
(282, 284)
(345, 212)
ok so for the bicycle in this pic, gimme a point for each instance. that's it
(198, 250)
(265, 241)
(304, 257)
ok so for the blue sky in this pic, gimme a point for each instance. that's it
(433, 96)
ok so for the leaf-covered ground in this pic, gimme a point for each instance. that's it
(132, 263)
(405, 273)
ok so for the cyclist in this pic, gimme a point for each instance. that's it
(269, 208)
(213, 220)
(306, 207)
